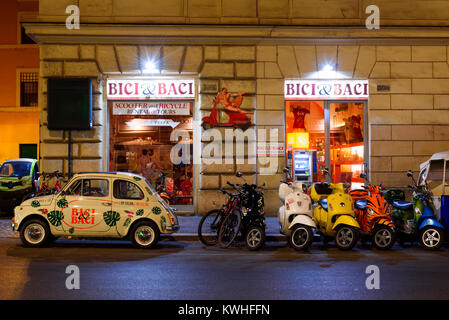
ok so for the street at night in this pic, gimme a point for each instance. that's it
(188, 270)
(178, 154)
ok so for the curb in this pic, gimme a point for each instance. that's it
(194, 237)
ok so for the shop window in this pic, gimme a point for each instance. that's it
(127, 190)
(325, 134)
(27, 88)
(140, 142)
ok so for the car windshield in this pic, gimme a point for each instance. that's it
(15, 169)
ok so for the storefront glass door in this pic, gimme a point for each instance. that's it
(141, 141)
(326, 134)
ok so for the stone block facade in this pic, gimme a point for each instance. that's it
(406, 124)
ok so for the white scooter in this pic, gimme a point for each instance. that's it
(296, 215)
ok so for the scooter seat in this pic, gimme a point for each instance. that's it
(360, 204)
(402, 205)
(323, 203)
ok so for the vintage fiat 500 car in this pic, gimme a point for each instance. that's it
(97, 205)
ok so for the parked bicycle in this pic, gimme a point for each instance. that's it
(243, 213)
(45, 189)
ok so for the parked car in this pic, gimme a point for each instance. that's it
(18, 178)
(97, 205)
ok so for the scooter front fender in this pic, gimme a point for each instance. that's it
(304, 220)
(430, 222)
(347, 220)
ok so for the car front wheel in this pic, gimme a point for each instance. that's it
(35, 233)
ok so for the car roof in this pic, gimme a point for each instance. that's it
(21, 160)
(111, 174)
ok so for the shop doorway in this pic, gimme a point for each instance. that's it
(329, 134)
(141, 141)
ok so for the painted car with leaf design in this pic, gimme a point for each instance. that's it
(97, 205)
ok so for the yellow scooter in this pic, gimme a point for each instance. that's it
(334, 214)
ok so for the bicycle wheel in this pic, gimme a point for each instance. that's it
(229, 229)
(209, 227)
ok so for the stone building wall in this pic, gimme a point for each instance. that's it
(407, 124)
(255, 12)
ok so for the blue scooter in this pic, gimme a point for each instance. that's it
(416, 220)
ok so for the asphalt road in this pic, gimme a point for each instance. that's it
(188, 270)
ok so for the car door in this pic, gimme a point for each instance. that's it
(85, 206)
(128, 203)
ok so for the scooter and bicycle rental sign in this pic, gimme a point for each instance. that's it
(151, 97)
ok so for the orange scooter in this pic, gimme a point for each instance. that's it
(371, 211)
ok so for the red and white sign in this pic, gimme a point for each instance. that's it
(151, 89)
(326, 89)
(151, 108)
(270, 148)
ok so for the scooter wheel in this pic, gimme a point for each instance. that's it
(255, 238)
(384, 238)
(431, 238)
(346, 237)
(301, 237)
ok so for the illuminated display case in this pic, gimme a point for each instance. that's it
(347, 162)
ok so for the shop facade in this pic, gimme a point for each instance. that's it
(390, 111)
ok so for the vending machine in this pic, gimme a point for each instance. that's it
(302, 165)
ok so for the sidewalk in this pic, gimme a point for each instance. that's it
(188, 229)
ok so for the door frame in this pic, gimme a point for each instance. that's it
(327, 146)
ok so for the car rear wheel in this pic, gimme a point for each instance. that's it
(144, 234)
(35, 233)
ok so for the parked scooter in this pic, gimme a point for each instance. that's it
(295, 216)
(334, 214)
(371, 211)
(416, 220)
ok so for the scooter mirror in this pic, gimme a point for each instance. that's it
(238, 174)
(363, 175)
(410, 173)
(286, 170)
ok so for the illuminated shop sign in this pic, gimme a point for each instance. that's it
(151, 108)
(151, 89)
(325, 89)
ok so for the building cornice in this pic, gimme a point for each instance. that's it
(144, 34)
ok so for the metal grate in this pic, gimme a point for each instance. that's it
(29, 86)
